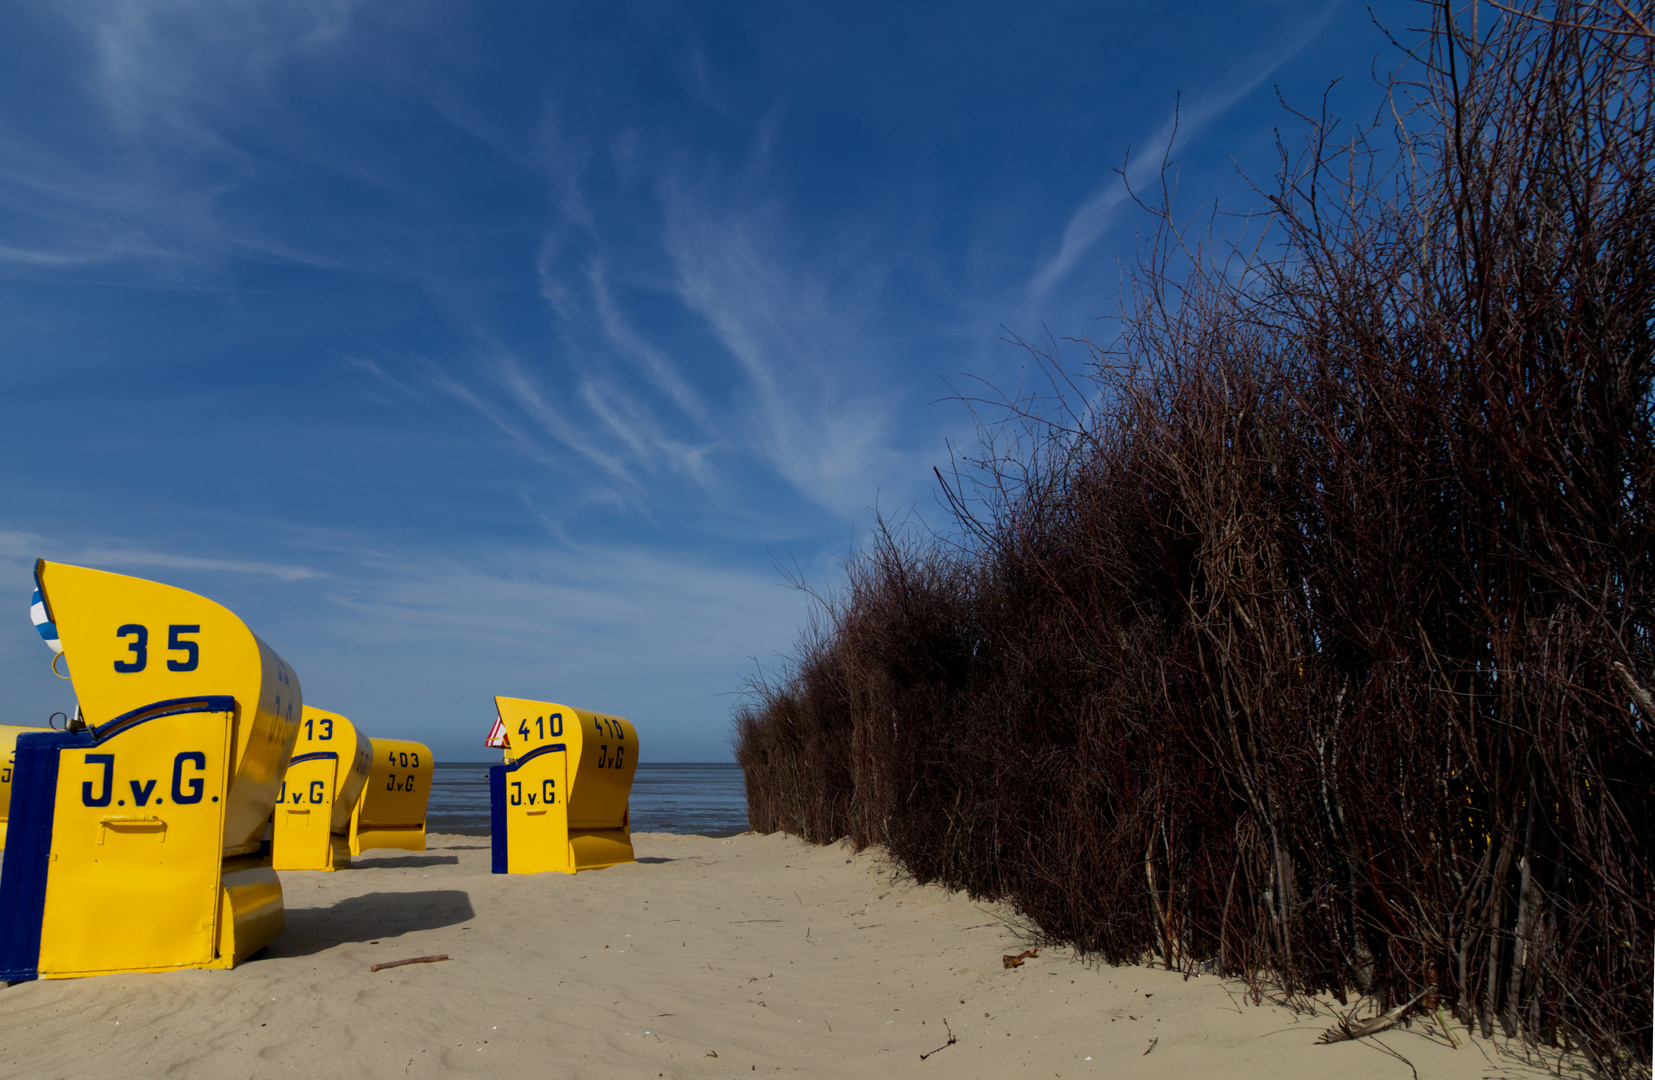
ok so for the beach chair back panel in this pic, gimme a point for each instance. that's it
(300, 838)
(607, 752)
(598, 755)
(138, 825)
(399, 783)
(8, 762)
(531, 818)
(324, 779)
(129, 642)
(391, 810)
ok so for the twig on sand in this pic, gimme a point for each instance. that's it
(1017, 961)
(1446, 1030)
(951, 1041)
(410, 960)
(1347, 1030)
(1152, 1043)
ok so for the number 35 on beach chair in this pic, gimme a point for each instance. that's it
(135, 841)
(560, 800)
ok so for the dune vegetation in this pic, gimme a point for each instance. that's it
(1302, 631)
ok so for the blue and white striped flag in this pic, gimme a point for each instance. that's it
(47, 628)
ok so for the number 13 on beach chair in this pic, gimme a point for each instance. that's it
(560, 800)
(314, 804)
(135, 841)
(346, 793)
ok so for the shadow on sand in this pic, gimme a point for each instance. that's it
(371, 917)
(394, 861)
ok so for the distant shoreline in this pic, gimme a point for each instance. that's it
(683, 798)
(641, 764)
(474, 830)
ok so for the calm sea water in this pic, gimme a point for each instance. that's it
(705, 799)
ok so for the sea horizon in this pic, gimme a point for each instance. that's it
(702, 798)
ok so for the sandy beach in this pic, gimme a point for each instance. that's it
(754, 955)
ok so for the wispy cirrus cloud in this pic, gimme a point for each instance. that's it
(790, 345)
(48, 258)
(557, 419)
(117, 556)
(815, 401)
(18, 547)
(629, 342)
(159, 62)
(1096, 214)
(790, 339)
(163, 97)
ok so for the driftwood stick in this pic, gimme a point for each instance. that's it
(1347, 1030)
(410, 960)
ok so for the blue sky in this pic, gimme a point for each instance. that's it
(476, 348)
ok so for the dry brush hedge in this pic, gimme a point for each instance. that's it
(1320, 645)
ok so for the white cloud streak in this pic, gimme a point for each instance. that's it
(808, 400)
(816, 404)
(1096, 214)
(46, 258)
(165, 92)
(661, 371)
(20, 547)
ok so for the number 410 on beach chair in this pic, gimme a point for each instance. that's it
(560, 800)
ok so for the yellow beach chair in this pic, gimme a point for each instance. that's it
(390, 813)
(325, 777)
(135, 842)
(8, 747)
(560, 800)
